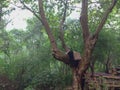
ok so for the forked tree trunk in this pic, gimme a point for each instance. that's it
(78, 73)
(89, 40)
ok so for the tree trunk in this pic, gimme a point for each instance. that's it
(78, 73)
(78, 78)
(76, 83)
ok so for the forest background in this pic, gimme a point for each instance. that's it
(26, 60)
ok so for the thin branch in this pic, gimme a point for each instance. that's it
(46, 25)
(1, 11)
(84, 20)
(30, 9)
(104, 18)
(62, 25)
(4, 25)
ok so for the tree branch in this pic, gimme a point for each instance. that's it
(84, 20)
(43, 21)
(58, 54)
(61, 56)
(104, 18)
(46, 25)
(62, 25)
(4, 25)
(30, 9)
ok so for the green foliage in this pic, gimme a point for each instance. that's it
(4, 3)
(48, 80)
(30, 62)
(4, 10)
(106, 46)
(73, 34)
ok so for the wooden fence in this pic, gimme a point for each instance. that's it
(103, 81)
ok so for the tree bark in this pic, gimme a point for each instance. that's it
(84, 20)
(104, 18)
(76, 78)
(46, 25)
(65, 47)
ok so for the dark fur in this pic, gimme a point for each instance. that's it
(73, 62)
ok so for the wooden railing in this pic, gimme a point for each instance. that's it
(103, 81)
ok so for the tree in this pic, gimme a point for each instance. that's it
(90, 39)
